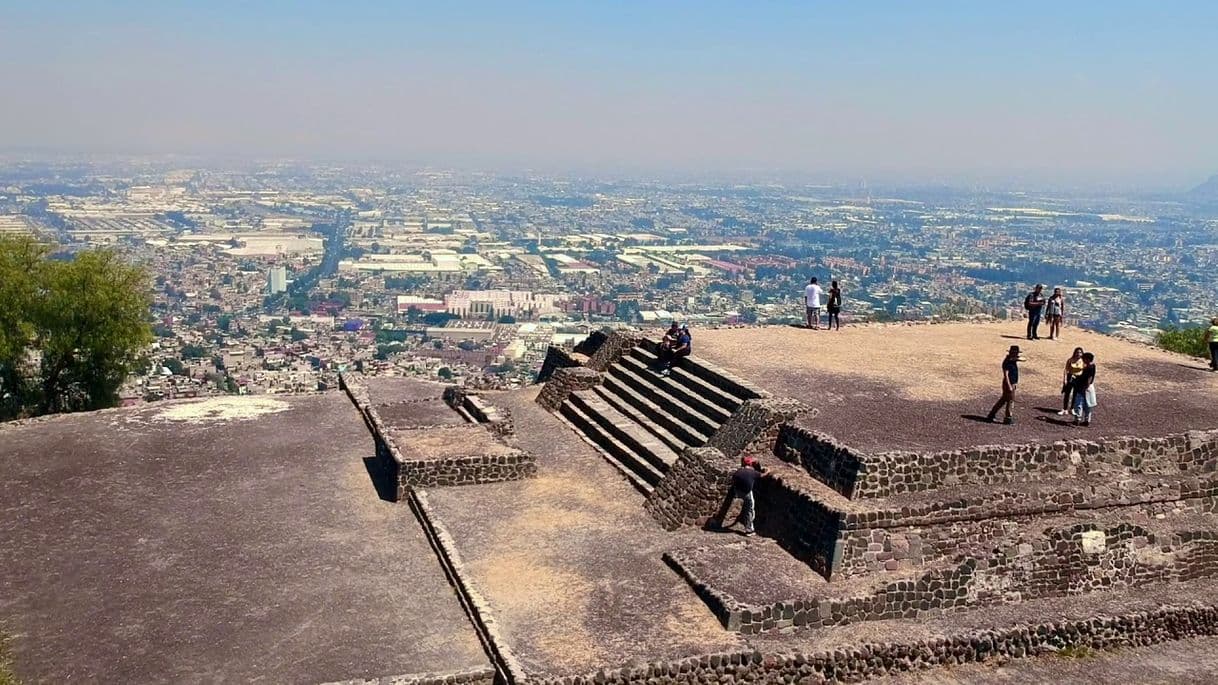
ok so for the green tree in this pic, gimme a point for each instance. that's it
(87, 317)
(445, 373)
(1190, 341)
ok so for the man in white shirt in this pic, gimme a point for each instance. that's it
(812, 296)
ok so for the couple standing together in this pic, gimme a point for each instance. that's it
(813, 295)
(1036, 304)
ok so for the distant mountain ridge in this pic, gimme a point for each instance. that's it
(1207, 190)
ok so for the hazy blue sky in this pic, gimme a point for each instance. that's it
(1077, 92)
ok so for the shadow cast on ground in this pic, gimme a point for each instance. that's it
(381, 479)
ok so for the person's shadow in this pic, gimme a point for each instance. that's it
(976, 417)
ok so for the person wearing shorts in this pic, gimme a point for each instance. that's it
(812, 296)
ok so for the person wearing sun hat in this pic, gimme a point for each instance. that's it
(1010, 380)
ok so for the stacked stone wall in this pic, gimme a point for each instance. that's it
(861, 475)
(801, 524)
(611, 350)
(693, 489)
(976, 506)
(829, 461)
(465, 470)
(870, 550)
(497, 420)
(556, 358)
(870, 660)
(1075, 560)
(893, 473)
(564, 382)
(755, 426)
(404, 472)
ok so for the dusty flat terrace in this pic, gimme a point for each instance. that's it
(232, 539)
(882, 387)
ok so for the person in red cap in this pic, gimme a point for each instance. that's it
(743, 482)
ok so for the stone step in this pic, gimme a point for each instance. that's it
(695, 384)
(626, 377)
(713, 375)
(649, 415)
(625, 430)
(652, 381)
(641, 474)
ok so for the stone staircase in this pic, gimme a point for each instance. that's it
(642, 420)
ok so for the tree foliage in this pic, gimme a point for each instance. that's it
(1190, 341)
(72, 330)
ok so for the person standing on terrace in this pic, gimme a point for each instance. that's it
(1084, 392)
(1057, 312)
(1010, 380)
(812, 296)
(1074, 367)
(1035, 304)
(835, 306)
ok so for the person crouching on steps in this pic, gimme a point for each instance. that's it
(743, 482)
(1010, 379)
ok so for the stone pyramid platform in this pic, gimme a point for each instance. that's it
(933, 521)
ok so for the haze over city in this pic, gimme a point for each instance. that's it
(608, 343)
(1040, 94)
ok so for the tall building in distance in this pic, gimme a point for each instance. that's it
(276, 280)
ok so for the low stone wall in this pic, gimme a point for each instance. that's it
(563, 383)
(754, 428)
(870, 550)
(870, 660)
(1075, 560)
(1091, 496)
(589, 345)
(480, 676)
(829, 461)
(469, 470)
(801, 524)
(556, 358)
(507, 667)
(496, 419)
(892, 473)
(612, 349)
(693, 489)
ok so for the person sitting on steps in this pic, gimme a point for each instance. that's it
(682, 348)
(668, 342)
(743, 481)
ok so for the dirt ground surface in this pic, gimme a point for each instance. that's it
(1185, 661)
(231, 539)
(393, 389)
(924, 387)
(570, 563)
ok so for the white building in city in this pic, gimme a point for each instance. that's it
(277, 280)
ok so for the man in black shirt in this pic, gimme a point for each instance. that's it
(1084, 391)
(743, 481)
(1010, 379)
(1035, 304)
